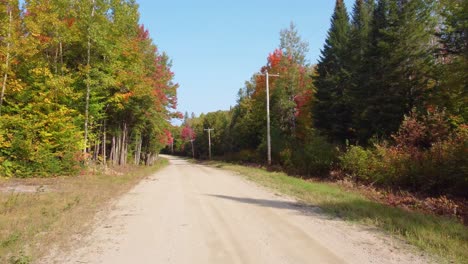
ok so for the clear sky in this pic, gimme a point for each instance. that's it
(216, 45)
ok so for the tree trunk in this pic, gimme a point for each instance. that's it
(139, 150)
(111, 157)
(123, 146)
(138, 143)
(148, 159)
(61, 57)
(8, 55)
(97, 146)
(104, 158)
(56, 60)
(118, 150)
(88, 80)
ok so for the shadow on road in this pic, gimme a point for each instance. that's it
(301, 208)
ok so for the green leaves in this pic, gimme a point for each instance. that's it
(76, 62)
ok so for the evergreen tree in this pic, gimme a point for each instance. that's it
(452, 89)
(358, 48)
(332, 109)
(399, 65)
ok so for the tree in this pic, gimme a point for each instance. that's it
(189, 135)
(452, 66)
(292, 45)
(80, 75)
(9, 43)
(358, 49)
(332, 109)
(399, 65)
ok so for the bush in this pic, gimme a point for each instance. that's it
(244, 156)
(359, 163)
(29, 148)
(315, 158)
(418, 161)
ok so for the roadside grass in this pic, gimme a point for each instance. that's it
(32, 222)
(445, 239)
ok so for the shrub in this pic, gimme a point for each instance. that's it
(425, 158)
(30, 148)
(315, 157)
(359, 163)
(245, 156)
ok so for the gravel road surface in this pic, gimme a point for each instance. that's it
(188, 213)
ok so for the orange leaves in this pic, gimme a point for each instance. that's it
(275, 58)
(127, 96)
(166, 138)
(70, 21)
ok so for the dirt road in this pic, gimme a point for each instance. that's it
(190, 213)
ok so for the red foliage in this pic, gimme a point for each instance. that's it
(275, 58)
(178, 115)
(143, 33)
(188, 133)
(167, 138)
(422, 131)
(302, 102)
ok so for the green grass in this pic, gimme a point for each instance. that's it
(60, 208)
(444, 238)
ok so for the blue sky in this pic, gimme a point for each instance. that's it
(217, 45)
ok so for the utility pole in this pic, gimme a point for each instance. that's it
(193, 150)
(209, 140)
(268, 111)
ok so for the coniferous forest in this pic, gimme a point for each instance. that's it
(386, 104)
(81, 83)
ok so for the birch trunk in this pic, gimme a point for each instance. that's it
(135, 159)
(139, 151)
(104, 158)
(8, 55)
(97, 149)
(61, 57)
(123, 146)
(138, 143)
(113, 151)
(118, 150)
(88, 79)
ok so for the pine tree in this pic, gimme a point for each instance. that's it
(452, 89)
(399, 64)
(358, 48)
(332, 109)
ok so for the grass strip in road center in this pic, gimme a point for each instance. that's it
(444, 238)
(46, 212)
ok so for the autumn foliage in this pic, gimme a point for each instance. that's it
(84, 83)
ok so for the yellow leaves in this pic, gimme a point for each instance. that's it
(117, 101)
(42, 71)
(15, 85)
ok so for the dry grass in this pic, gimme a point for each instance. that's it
(48, 211)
